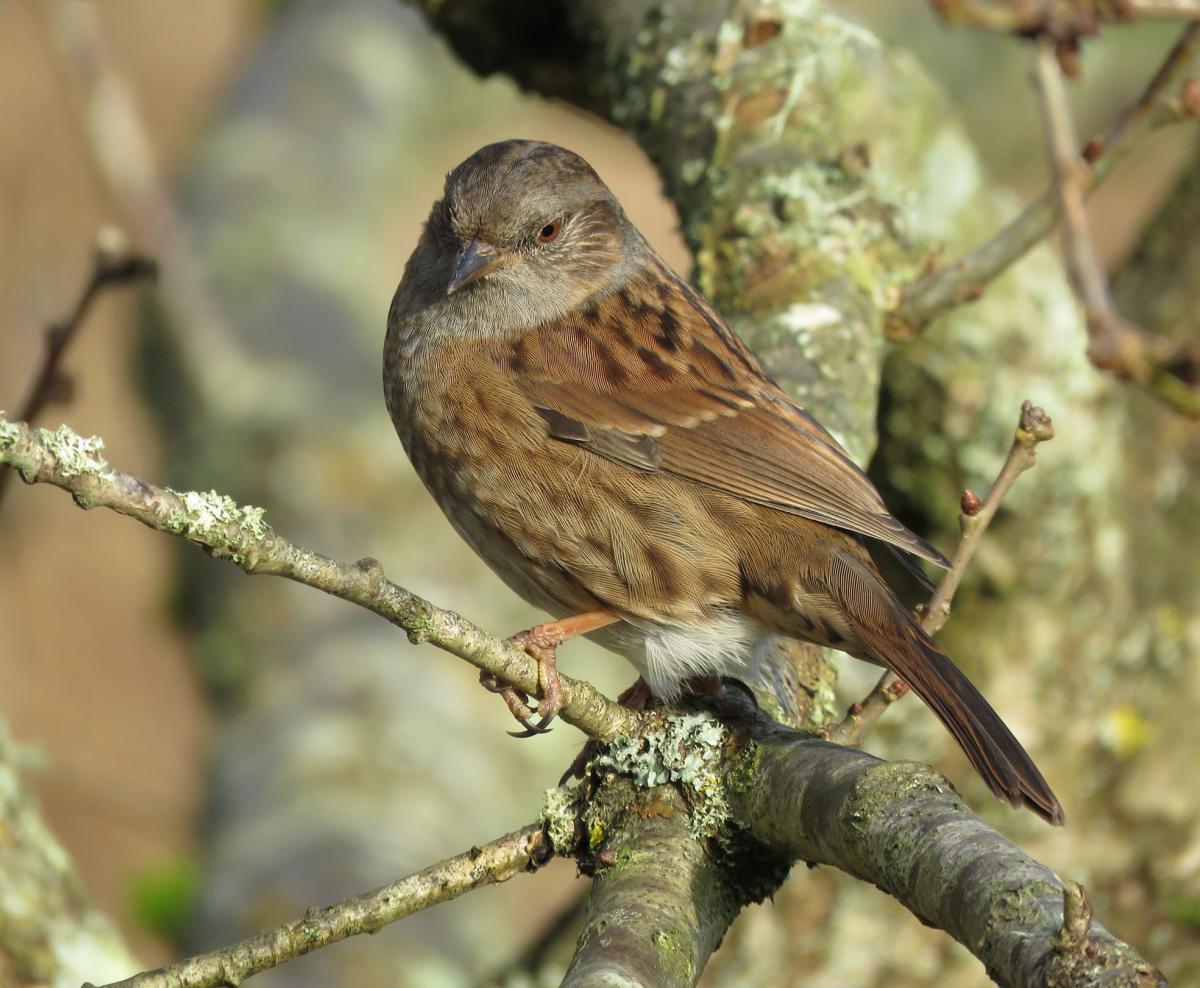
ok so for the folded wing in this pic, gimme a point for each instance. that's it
(651, 377)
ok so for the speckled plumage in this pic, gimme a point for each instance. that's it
(594, 430)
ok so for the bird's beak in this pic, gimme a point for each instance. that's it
(474, 261)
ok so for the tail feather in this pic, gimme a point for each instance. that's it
(996, 754)
(890, 635)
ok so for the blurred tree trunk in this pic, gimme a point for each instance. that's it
(50, 932)
(808, 201)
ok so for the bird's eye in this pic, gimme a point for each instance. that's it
(549, 232)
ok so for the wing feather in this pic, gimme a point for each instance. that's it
(655, 380)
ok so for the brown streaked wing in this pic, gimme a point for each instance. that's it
(655, 380)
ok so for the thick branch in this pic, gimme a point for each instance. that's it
(767, 797)
(901, 827)
(659, 904)
(229, 531)
(494, 862)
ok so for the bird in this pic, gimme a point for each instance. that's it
(596, 432)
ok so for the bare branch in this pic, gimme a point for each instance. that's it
(964, 280)
(1114, 344)
(114, 263)
(230, 531)
(492, 863)
(1033, 427)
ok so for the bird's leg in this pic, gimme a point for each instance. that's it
(541, 644)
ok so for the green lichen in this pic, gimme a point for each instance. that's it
(687, 751)
(560, 809)
(75, 455)
(216, 520)
(674, 958)
(10, 432)
(1026, 907)
(819, 680)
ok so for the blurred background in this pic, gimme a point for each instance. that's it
(218, 753)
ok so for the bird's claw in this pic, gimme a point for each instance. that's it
(552, 698)
(531, 730)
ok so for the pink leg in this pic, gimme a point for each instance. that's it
(541, 643)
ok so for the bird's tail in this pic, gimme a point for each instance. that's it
(996, 754)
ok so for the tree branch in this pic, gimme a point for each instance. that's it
(227, 530)
(1033, 427)
(1114, 344)
(492, 863)
(901, 827)
(748, 798)
(660, 902)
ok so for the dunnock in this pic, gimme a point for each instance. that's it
(597, 433)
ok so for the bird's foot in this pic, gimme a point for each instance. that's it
(548, 682)
(515, 700)
(543, 649)
(541, 643)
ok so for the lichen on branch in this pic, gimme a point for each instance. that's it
(240, 533)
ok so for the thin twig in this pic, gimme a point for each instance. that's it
(1114, 344)
(1033, 427)
(114, 263)
(490, 864)
(230, 531)
(964, 280)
